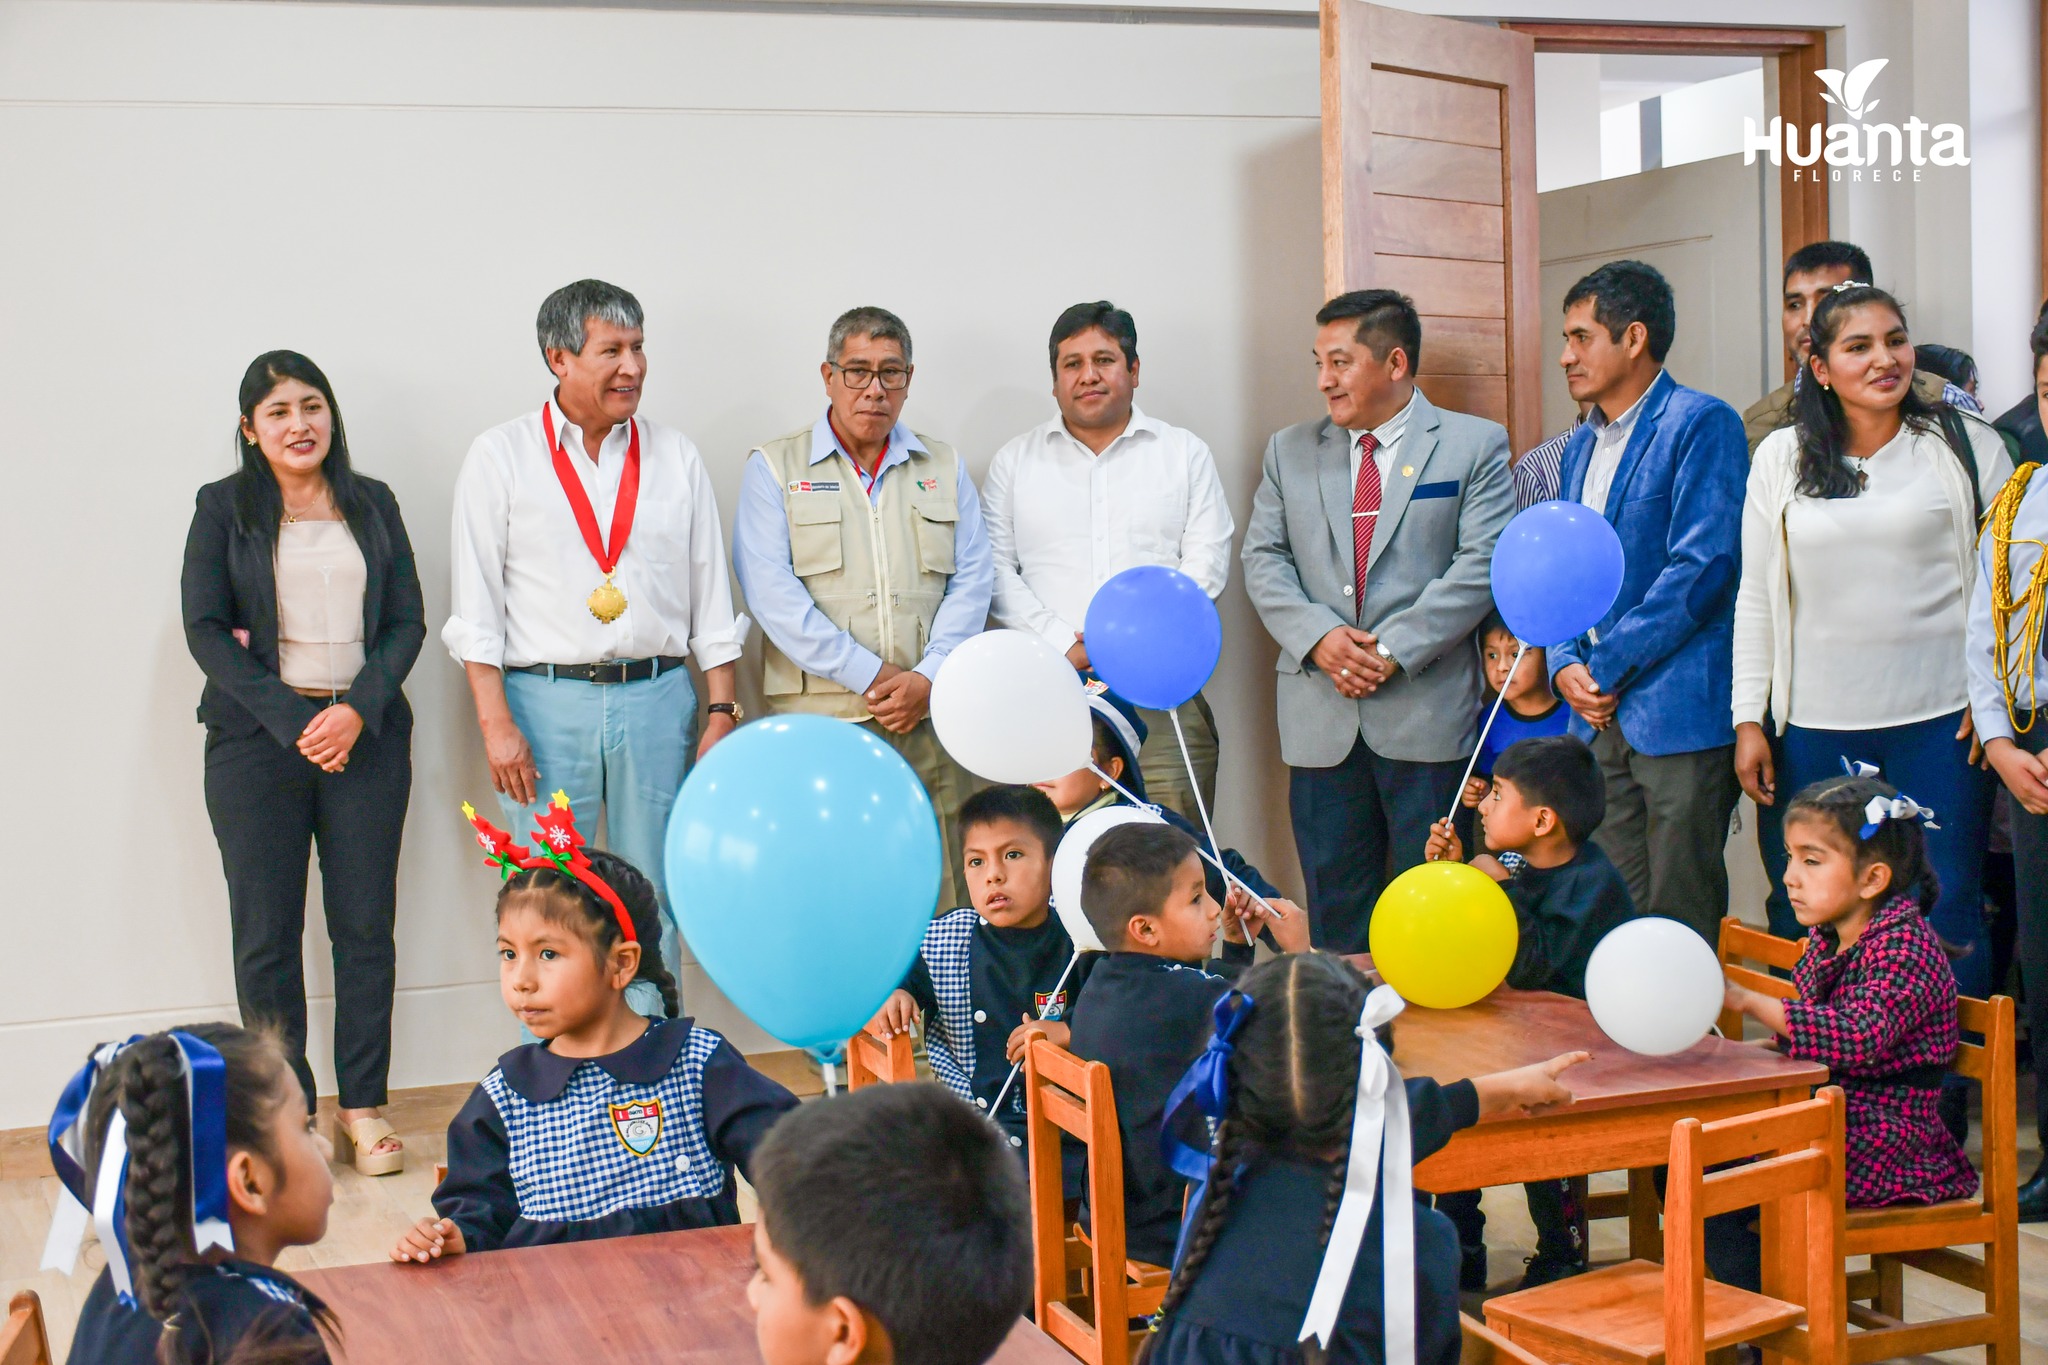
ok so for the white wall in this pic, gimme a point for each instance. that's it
(2005, 193)
(393, 188)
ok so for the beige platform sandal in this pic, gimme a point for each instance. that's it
(356, 1144)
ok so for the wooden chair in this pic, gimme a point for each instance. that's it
(23, 1341)
(1639, 1313)
(1064, 1094)
(1923, 1235)
(870, 1061)
(1481, 1345)
(1741, 944)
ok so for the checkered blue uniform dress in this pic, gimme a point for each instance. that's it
(947, 945)
(570, 1162)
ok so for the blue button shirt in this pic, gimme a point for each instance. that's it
(782, 604)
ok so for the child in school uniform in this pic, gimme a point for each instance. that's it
(198, 1295)
(613, 1123)
(1146, 1012)
(894, 1227)
(989, 970)
(1545, 799)
(1528, 708)
(1877, 1000)
(1119, 734)
(1257, 1238)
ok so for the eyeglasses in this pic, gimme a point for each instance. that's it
(859, 377)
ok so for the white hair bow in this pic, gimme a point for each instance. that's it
(1380, 1140)
(1901, 807)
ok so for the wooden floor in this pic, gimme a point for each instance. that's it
(369, 1214)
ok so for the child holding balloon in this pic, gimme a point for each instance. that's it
(1528, 708)
(990, 970)
(612, 1124)
(1877, 998)
(1546, 797)
(1147, 1009)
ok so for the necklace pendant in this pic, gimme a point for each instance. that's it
(607, 603)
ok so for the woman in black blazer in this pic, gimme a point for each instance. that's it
(303, 607)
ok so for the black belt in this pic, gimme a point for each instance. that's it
(617, 671)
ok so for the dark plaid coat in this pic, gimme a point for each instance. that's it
(1882, 1018)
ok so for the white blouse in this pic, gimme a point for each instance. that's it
(1851, 613)
(321, 579)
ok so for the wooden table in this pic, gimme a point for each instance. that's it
(1625, 1106)
(672, 1296)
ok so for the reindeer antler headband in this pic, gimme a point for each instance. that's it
(561, 850)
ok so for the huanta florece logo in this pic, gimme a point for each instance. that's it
(1875, 151)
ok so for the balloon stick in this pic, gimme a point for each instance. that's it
(1125, 792)
(997, 1106)
(1458, 798)
(1201, 806)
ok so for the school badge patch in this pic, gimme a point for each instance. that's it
(1050, 1005)
(638, 1125)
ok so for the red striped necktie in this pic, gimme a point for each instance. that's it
(1365, 511)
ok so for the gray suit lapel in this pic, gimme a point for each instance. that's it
(1333, 475)
(1410, 459)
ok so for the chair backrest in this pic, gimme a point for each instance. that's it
(23, 1340)
(870, 1061)
(1064, 1095)
(1991, 1064)
(1791, 1156)
(1741, 944)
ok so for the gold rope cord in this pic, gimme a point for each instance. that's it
(2004, 512)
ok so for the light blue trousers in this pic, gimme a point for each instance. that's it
(623, 748)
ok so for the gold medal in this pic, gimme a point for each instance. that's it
(606, 602)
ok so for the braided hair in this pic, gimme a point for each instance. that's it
(1824, 469)
(147, 1083)
(1293, 1085)
(1900, 845)
(567, 901)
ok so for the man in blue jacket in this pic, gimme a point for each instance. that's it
(1649, 686)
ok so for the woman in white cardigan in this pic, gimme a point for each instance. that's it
(1858, 556)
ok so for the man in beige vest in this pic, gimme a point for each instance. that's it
(860, 547)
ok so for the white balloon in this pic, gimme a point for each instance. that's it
(1009, 707)
(1070, 860)
(1654, 986)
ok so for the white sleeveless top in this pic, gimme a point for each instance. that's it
(320, 583)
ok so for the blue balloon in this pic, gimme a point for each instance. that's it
(803, 864)
(1153, 635)
(1556, 572)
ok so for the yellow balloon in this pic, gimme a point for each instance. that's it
(1443, 935)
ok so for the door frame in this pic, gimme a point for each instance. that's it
(1799, 52)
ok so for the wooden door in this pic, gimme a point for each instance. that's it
(1429, 187)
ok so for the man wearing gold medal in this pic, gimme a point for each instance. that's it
(588, 566)
(860, 546)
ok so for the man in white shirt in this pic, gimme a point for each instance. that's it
(587, 564)
(1096, 490)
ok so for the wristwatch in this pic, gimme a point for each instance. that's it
(1380, 647)
(727, 708)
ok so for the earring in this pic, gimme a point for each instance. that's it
(1827, 388)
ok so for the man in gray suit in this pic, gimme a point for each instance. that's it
(1367, 557)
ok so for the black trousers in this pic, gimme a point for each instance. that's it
(1549, 1209)
(2030, 932)
(269, 806)
(1359, 825)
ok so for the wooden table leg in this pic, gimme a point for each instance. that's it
(1645, 1232)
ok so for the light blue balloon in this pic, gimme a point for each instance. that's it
(1153, 635)
(803, 864)
(1557, 569)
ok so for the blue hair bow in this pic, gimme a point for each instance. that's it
(1206, 1087)
(1856, 767)
(1901, 807)
(104, 1200)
